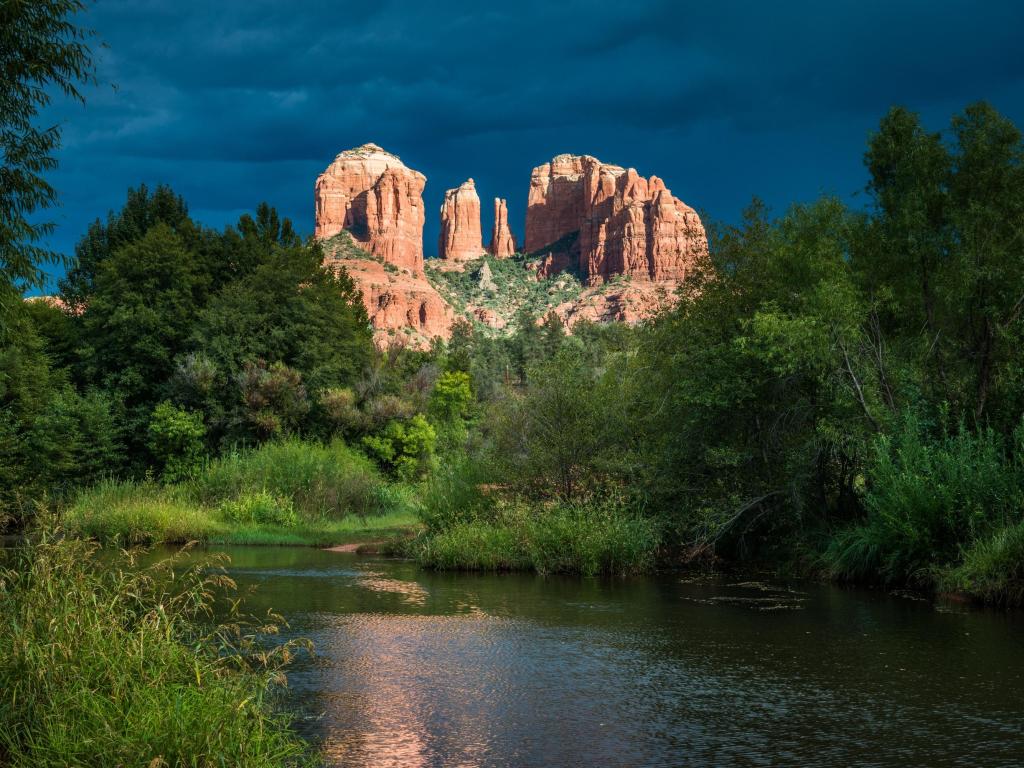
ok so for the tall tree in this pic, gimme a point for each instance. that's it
(42, 50)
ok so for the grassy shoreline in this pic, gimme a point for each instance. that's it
(106, 662)
(287, 493)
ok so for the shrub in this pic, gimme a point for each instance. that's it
(406, 448)
(176, 439)
(321, 481)
(106, 663)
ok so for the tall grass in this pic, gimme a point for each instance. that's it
(322, 481)
(992, 570)
(587, 539)
(927, 499)
(141, 513)
(105, 663)
(282, 493)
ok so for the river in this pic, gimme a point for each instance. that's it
(415, 668)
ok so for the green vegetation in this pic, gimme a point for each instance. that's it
(282, 493)
(837, 391)
(103, 662)
(588, 539)
(512, 289)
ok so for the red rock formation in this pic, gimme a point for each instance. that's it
(374, 196)
(628, 303)
(404, 308)
(460, 237)
(555, 205)
(503, 244)
(605, 220)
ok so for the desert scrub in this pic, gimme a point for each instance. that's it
(105, 663)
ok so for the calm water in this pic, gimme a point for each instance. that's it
(423, 669)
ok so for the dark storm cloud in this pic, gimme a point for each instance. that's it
(238, 101)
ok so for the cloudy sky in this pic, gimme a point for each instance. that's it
(238, 101)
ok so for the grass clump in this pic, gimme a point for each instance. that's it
(106, 663)
(140, 513)
(992, 570)
(587, 539)
(322, 481)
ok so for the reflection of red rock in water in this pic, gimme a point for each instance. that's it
(604, 220)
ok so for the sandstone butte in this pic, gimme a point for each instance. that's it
(371, 195)
(503, 244)
(460, 238)
(604, 220)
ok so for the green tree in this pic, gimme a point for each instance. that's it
(405, 448)
(42, 51)
(140, 318)
(176, 439)
(141, 212)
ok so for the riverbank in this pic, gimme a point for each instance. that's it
(104, 661)
(288, 493)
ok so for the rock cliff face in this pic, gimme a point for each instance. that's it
(404, 308)
(372, 194)
(460, 238)
(503, 244)
(369, 215)
(604, 220)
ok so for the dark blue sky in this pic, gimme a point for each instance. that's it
(237, 101)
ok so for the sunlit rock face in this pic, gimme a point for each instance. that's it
(369, 216)
(460, 237)
(372, 194)
(604, 220)
(503, 244)
(403, 307)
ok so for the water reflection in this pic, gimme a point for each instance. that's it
(423, 669)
